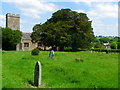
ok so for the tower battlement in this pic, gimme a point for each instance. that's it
(13, 15)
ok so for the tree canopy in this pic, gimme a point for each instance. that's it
(10, 38)
(66, 28)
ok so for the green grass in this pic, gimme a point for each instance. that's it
(0, 70)
(98, 70)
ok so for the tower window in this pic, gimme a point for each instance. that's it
(13, 26)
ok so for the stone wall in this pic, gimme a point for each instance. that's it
(21, 46)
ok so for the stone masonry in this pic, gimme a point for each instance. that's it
(13, 21)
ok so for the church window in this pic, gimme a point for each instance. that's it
(26, 44)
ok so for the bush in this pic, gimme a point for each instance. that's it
(118, 45)
(113, 45)
(35, 51)
(106, 50)
(99, 45)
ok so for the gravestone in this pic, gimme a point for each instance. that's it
(37, 74)
(51, 54)
(107, 52)
(91, 51)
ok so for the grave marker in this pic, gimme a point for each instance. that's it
(37, 74)
(51, 54)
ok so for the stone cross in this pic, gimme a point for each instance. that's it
(37, 74)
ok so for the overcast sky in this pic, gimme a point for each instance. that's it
(103, 13)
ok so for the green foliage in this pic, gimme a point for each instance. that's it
(99, 45)
(10, 38)
(35, 52)
(36, 27)
(105, 50)
(113, 45)
(97, 70)
(66, 28)
(118, 45)
(114, 41)
(104, 40)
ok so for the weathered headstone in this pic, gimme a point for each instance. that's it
(51, 54)
(37, 74)
(107, 52)
(91, 51)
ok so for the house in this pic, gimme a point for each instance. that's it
(107, 45)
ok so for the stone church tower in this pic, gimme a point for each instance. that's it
(13, 21)
(26, 44)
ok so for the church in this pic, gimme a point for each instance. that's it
(26, 44)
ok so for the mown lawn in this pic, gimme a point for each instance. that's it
(98, 70)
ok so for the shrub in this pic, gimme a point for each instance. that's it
(106, 50)
(99, 45)
(118, 45)
(113, 45)
(35, 52)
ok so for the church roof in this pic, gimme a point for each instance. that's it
(26, 35)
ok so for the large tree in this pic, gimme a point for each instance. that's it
(10, 38)
(66, 28)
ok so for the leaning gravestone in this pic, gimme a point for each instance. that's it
(51, 54)
(37, 74)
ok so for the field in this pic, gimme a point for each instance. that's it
(98, 70)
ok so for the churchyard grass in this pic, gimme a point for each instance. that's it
(98, 70)
(0, 70)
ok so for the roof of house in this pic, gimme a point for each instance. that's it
(106, 44)
(26, 35)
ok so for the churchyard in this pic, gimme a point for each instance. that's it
(65, 70)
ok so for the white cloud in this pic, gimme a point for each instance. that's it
(33, 8)
(30, 12)
(27, 25)
(98, 13)
(101, 28)
(88, 2)
(104, 11)
(2, 20)
(81, 11)
(2, 16)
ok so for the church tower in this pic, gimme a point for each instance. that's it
(13, 21)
